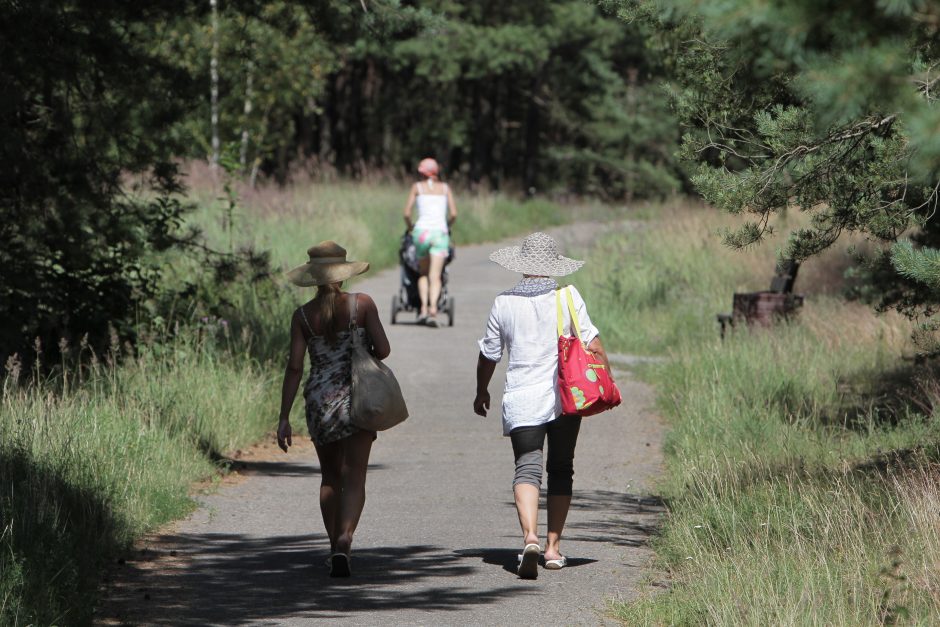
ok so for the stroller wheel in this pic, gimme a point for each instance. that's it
(396, 307)
(450, 312)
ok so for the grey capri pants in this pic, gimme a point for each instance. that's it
(527, 445)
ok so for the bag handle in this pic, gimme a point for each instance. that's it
(353, 315)
(306, 322)
(353, 311)
(574, 313)
(571, 311)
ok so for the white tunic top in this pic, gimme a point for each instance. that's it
(432, 211)
(524, 321)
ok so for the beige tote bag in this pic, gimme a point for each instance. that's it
(375, 402)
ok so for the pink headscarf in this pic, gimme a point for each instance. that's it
(428, 167)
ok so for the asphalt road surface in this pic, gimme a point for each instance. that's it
(438, 539)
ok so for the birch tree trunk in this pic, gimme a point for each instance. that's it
(256, 162)
(246, 114)
(214, 84)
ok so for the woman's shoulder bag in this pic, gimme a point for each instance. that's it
(583, 381)
(375, 402)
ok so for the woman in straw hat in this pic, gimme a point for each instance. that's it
(431, 234)
(524, 321)
(323, 327)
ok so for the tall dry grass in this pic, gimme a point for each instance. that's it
(365, 217)
(800, 458)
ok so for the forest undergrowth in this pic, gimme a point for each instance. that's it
(94, 456)
(802, 460)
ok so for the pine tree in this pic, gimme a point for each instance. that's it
(85, 109)
(828, 107)
(540, 94)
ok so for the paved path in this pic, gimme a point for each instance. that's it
(438, 539)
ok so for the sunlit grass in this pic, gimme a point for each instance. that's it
(802, 459)
(365, 218)
(90, 462)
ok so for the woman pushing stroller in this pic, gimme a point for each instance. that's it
(431, 234)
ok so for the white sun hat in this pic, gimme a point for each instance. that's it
(538, 255)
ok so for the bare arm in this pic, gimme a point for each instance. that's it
(409, 206)
(597, 349)
(292, 375)
(380, 346)
(485, 370)
(452, 208)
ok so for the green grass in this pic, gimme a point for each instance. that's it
(87, 466)
(802, 461)
(365, 219)
(92, 459)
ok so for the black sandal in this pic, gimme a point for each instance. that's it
(339, 565)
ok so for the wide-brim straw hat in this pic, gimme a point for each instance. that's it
(538, 255)
(327, 264)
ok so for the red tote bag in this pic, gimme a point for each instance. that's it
(584, 382)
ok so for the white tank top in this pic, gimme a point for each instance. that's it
(432, 211)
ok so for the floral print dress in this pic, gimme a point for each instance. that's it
(327, 389)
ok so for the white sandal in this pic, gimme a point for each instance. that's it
(556, 564)
(529, 562)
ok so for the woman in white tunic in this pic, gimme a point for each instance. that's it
(523, 322)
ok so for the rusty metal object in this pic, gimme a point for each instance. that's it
(767, 307)
(764, 308)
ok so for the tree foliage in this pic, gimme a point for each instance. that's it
(102, 98)
(273, 67)
(829, 107)
(538, 94)
(84, 106)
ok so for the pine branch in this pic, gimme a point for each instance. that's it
(921, 265)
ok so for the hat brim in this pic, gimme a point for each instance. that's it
(310, 274)
(512, 259)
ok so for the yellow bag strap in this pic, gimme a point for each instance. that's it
(574, 314)
(571, 311)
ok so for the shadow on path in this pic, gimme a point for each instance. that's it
(288, 468)
(618, 518)
(622, 519)
(232, 579)
(509, 558)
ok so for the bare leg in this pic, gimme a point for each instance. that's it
(424, 265)
(527, 506)
(558, 506)
(331, 487)
(434, 275)
(355, 465)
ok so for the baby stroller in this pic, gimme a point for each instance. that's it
(407, 298)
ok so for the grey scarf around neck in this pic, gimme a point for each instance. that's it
(532, 286)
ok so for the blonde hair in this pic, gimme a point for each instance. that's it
(324, 306)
